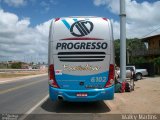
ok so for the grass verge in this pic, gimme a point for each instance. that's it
(18, 74)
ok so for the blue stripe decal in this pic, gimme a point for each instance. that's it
(75, 19)
(65, 79)
(66, 24)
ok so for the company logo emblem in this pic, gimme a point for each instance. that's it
(81, 28)
(81, 68)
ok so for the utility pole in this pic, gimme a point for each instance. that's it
(122, 41)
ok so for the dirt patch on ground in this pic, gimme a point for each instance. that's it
(145, 98)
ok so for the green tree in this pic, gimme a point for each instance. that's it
(157, 64)
(131, 44)
(117, 51)
(135, 44)
(138, 60)
(16, 65)
(157, 61)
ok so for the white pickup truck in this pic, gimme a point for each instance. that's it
(130, 70)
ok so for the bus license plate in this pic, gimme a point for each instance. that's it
(82, 95)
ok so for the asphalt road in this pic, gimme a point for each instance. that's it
(29, 100)
(19, 96)
(49, 110)
(24, 96)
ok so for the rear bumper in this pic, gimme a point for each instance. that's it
(93, 95)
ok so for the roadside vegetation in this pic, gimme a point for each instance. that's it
(16, 65)
(135, 44)
(18, 74)
(131, 45)
(157, 63)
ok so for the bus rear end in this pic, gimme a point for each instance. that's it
(81, 59)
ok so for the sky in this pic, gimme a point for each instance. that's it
(24, 24)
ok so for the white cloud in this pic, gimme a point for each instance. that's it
(100, 2)
(116, 28)
(142, 18)
(47, 5)
(19, 40)
(15, 3)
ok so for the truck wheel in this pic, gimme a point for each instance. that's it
(138, 76)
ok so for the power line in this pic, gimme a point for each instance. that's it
(151, 32)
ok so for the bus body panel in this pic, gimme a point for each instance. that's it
(81, 50)
(93, 95)
(93, 75)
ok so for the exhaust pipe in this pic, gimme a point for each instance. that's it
(60, 98)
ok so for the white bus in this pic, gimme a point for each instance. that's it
(81, 59)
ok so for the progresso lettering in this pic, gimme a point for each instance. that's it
(82, 45)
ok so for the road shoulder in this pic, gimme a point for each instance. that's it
(9, 80)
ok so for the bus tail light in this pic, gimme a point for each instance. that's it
(110, 81)
(52, 79)
(57, 19)
(105, 19)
